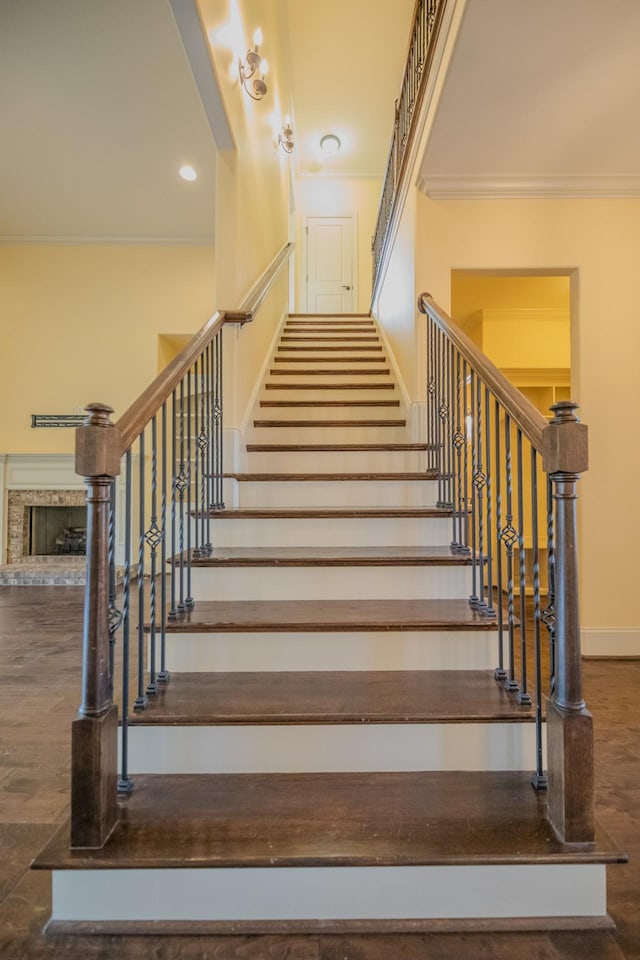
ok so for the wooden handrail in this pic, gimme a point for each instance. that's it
(521, 410)
(133, 421)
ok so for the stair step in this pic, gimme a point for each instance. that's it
(323, 848)
(321, 348)
(352, 513)
(331, 490)
(330, 423)
(330, 556)
(355, 338)
(329, 447)
(331, 371)
(284, 721)
(219, 616)
(332, 477)
(329, 360)
(333, 697)
(329, 403)
(330, 386)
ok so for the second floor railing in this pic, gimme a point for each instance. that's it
(153, 480)
(509, 478)
(424, 33)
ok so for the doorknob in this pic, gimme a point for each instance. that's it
(345, 286)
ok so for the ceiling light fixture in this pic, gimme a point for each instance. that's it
(187, 173)
(330, 145)
(285, 136)
(254, 69)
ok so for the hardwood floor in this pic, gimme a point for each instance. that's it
(40, 641)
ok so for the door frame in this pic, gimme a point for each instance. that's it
(354, 251)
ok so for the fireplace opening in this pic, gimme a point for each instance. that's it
(56, 531)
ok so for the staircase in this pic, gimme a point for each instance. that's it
(333, 751)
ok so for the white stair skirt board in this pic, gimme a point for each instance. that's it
(330, 583)
(330, 532)
(329, 748)
(335, 461)
(366, 650)
(331, 893)
(337, 493)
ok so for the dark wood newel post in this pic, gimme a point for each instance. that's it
(569, 723)
(94, 732)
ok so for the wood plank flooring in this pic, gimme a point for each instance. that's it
(40, 640)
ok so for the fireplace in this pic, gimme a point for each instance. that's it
(38, 519)
(56, 531)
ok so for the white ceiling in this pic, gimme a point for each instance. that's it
(99, 109)
(540, 97)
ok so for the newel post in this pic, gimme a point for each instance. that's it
(569, 723)
(94, 744)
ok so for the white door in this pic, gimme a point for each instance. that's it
(330, 264)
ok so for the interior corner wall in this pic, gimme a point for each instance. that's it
(317, 196)
(597, 242)
(80, 323)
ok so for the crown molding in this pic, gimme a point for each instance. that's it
(467, 187)
(538, 376)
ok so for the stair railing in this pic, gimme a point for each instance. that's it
(509, 478)
(153, 479)
(427, 18)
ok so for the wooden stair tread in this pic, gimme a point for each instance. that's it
(330, 423)
(329, 403)
(293, 338)
(308, 447)
(328, 513)
(328, 819)
(284, 477)
(321, 372)
(313, 616)
(332, 697)
(320, 348)
(329, 386)
(329, 359)
(333, 316)
(331, 557)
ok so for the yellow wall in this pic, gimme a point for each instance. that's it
(470, 293)
(80, 323)
(334, 197)
(252, 186)
(597, 242)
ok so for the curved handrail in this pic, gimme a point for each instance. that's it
(522, 411)
(138, 415)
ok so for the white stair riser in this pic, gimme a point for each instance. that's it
(363, 650)
(317, 393)
(297, 434)
(331, 893)
(330, 583)
(335, 531)
(327, 748)
(336, 493)
(294, 414)
(336, 461)
(337, 374)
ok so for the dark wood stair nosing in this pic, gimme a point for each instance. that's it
(330, 423)
(330, 386)
(430, 475)
(329, 403)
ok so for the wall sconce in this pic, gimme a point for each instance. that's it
(330, 145)
(254, 69)
(285, 136)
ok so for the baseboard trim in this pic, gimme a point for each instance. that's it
(611, 643)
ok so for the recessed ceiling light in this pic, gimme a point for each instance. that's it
(188, 173)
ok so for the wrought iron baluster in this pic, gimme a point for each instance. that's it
(458, 443)
(218, 410)
(480, 482)
(500, 673)
(510, 538)
(115, 617)
(153, 538)
(431, 397)
(189, 455)
(207, 447)
(181, 483)
(141, 699)
(490, 610)
(163, 674)
(539, 779)
(173, 612)
(474, 599)
(125, 783)
(524, 699)
(465, 471)
(195, 421)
